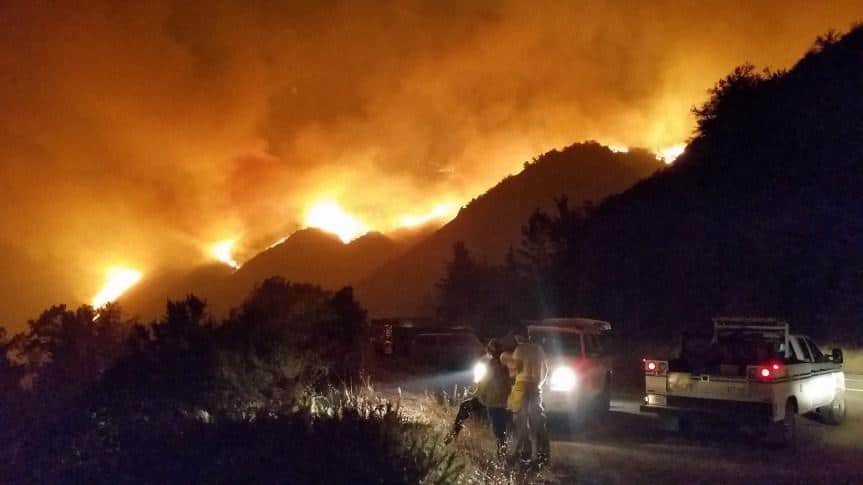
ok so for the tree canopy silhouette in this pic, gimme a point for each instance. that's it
(762, 215)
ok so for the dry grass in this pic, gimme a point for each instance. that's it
(475, 444)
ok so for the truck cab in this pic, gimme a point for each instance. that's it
(753, 370)
(579, 367)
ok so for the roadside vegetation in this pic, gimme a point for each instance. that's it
(266, 396)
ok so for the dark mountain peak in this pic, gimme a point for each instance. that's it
(580, 168)
(491, 223)
(373, 237)
(372, 243)
(307, 256)
(147, 298)
(310, 235)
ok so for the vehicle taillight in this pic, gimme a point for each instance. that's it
(766, 372)
(655, 367)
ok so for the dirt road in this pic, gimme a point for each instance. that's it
(632, 447)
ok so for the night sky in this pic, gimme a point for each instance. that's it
(140, 135)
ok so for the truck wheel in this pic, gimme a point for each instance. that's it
(788, 425)
(834, 413)
(602, 404)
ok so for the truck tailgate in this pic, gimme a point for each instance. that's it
(708, 386)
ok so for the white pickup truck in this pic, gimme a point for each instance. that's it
(752, 371)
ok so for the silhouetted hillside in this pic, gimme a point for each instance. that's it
(308, 255)
(406, 237)
(147, 299)
(491, 224)
(763, 214)
(311, 255)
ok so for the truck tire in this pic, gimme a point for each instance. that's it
(834, 413)
(603, 401)
(788, 426)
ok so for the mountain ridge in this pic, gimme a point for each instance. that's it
(762, 215)
(491, 223)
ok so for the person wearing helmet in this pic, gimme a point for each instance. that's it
(491, 395)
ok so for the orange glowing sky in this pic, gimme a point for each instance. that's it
(145, 133)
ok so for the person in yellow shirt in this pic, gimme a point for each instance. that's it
(529, 367)
(491, 395)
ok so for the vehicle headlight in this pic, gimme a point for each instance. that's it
(479, 371)
(563, 378)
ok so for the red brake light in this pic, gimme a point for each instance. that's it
(767, 372)
(655, 367)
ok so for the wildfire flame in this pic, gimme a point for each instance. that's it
(117, 281)
(329, 216)
(278, 241)
(222, 252)
(445, 211)
(670, 154)
(619, 148)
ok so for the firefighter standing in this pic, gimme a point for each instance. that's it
(491, 394)
(529, 367)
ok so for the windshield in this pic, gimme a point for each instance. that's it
(593, 344)
(559, 343)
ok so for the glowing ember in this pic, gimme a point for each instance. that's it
(670, 154)
(329, 216)
(444, 211)
(222, 251)
(117, 281)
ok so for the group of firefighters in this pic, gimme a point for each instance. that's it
(510, 392)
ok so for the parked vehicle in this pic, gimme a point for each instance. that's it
(580, 369)
(455, 350)
(393, 336)
(752, 371)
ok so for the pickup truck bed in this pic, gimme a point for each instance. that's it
(754, 371)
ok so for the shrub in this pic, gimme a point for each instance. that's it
(341, 437)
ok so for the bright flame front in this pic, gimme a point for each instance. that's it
(330, 217)
(670, 154)
(117, 281)
(222, 251)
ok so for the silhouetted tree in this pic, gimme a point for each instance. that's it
(460, 287)
(65, 351)
(760, 216)
(10, 388)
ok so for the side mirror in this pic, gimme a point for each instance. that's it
(837, 356)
